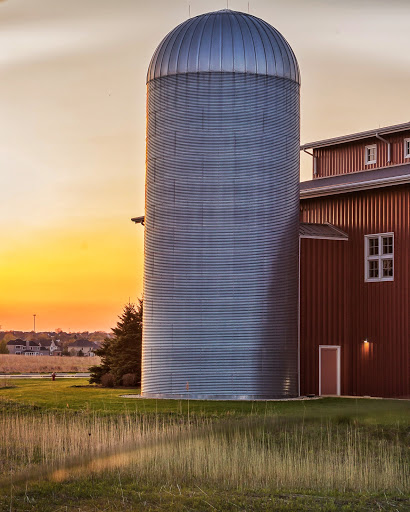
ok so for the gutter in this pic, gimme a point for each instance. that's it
(314, 161)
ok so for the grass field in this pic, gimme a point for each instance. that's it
(11, 363)
(46, 395)
(104, 452)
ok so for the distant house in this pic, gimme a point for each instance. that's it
(88, 348)
(27, 348)
(16, 346)
(33, 349)
(50, 346)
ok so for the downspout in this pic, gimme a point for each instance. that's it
(299, 319)
(314, 162)
(388, 147)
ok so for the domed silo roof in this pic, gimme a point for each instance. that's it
(224, 41)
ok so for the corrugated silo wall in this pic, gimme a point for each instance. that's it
(221, 236)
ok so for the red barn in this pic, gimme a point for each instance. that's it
(354, 265)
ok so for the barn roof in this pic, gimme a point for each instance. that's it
(357, 136)
(356, 181)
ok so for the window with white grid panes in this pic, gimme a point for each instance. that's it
(370, 154)
(379, 257)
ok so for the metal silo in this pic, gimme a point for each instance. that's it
(222, 208)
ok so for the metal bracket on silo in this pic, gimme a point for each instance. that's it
(139, 220)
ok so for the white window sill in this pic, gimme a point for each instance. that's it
(379, 280)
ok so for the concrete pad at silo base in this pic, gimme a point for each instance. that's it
(222, 399)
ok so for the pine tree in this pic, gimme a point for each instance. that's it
(121, 354)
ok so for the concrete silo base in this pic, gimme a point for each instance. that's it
(200, 396)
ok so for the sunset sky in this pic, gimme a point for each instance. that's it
(72, 132)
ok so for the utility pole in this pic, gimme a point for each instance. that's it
(34, 316)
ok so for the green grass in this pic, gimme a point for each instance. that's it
(75, 395)
(113, 494)
(328, 454)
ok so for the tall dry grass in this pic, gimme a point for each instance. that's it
(251, 453)
(11, 363)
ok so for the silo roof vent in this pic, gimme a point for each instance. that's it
(227, 42)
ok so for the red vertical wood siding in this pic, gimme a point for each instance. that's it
(339, 308)
(324, 307)
(350, 157)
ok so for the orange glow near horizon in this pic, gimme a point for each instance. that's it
(76, 281)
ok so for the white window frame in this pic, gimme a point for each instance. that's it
(337, 348)
(379, 258)
(369, 162)
(406, 148)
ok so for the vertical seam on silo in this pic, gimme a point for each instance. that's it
(181, 41)
(199, 25)
(203, 25)
(242, 41)
(172, 36)
(220, 19)
(291, 57)
(278, 41)
(152, 66)
(211, 43)
(253, 42)
(269, 36)
(233, 46)
(257, 28)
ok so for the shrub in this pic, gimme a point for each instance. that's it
(129, 380)
(97, 373)
(107, 380)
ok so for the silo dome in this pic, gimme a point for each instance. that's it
(224, 41)
(222, 212)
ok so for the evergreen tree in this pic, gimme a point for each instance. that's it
(98, 371)
(121, 354)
